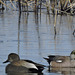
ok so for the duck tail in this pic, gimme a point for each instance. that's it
(32, 70)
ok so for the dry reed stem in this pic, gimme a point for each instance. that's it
(27, 3)
(5, 4)
(12, 4)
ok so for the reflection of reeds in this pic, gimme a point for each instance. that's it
(55, 24)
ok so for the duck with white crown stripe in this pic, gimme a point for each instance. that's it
(61, 61)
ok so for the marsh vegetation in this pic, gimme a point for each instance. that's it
(52, 6)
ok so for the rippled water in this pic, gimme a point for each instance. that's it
(32, 36)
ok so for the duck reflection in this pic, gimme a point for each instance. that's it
(64, 71)
(18, 73)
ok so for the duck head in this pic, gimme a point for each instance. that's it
(12, 57)
(72, 55)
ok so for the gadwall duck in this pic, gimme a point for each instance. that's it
(17, 65)
(61, 61)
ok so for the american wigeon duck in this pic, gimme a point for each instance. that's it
(61, 61)
(17, 65)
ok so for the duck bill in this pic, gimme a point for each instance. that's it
(46, 58)
(6, 61)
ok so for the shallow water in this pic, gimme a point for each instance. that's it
(33, 37)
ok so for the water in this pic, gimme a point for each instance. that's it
(32, 37)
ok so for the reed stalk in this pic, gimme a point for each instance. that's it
(5, 4)
(48, 6)
(19, 6)
(63, 5)
(12, 4)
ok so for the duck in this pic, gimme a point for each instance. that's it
(58, 61)
(18, 65)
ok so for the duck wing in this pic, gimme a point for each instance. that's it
(39, 66)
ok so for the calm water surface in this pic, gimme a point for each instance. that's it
(32, 37)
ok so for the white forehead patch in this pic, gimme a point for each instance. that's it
(59, 61)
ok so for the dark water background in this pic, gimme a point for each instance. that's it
(32, 36)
